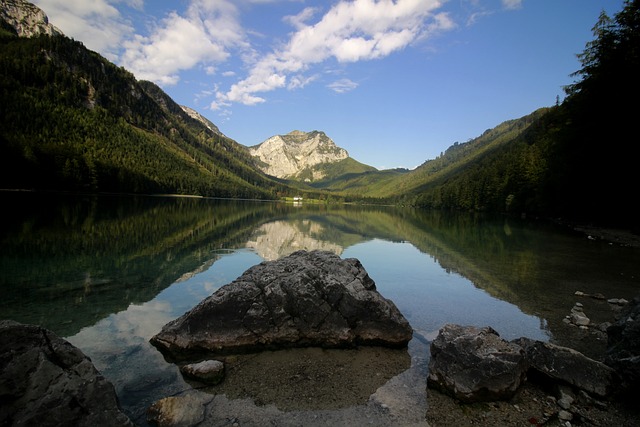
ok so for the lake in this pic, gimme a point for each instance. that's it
(107, 272)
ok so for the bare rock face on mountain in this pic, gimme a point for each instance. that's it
(27, 19)
(308, 299)
(46, 381)
(199, 117)
(285, 156)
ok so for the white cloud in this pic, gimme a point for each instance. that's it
(202, 35)
(298, 21)
(300, 81)
(135, 4)
(342, 85)
(350, 31)
(97, 23)
(512, 4)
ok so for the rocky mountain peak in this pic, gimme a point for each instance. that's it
(297, 133)
(26, 18)
(199, 117)
(285, 156)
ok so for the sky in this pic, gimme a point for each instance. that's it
(394, 82)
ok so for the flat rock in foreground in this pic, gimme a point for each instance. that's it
(307, 299)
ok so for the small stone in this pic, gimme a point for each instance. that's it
(176, 411)
(565, 402)
(580, 319)
(565, 415)
(207, 371)
(578, 304)
(580, 294)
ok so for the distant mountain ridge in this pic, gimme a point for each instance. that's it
(303, 156)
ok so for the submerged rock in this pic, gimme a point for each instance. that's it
(178, 411)
(474, 364)
(303, 300)
(46, 381)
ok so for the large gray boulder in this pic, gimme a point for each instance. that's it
(46, 381)
(307, 299)
(565, 365)
(474, 364)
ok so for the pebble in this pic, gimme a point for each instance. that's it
(580, 319)
(565, 415)
(617, 301)
(565, 402)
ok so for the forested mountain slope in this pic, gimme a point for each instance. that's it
(71, 120)
(576, 160)
(401, 185)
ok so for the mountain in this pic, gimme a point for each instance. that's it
(304, 156)
(199, 117)
(26, 19)
(71, 120)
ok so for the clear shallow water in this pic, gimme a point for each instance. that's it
(107, 273)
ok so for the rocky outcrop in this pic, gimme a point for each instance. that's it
(307, 299)
(46, 381)
(565, 365)
(285, 156)
(199, 117)
(623, 348)
(27, 19)
(474, 364)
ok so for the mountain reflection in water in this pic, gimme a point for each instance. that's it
(108, 272)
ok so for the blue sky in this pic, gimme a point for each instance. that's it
(394, 82)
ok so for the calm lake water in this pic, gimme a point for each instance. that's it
(108, 272)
